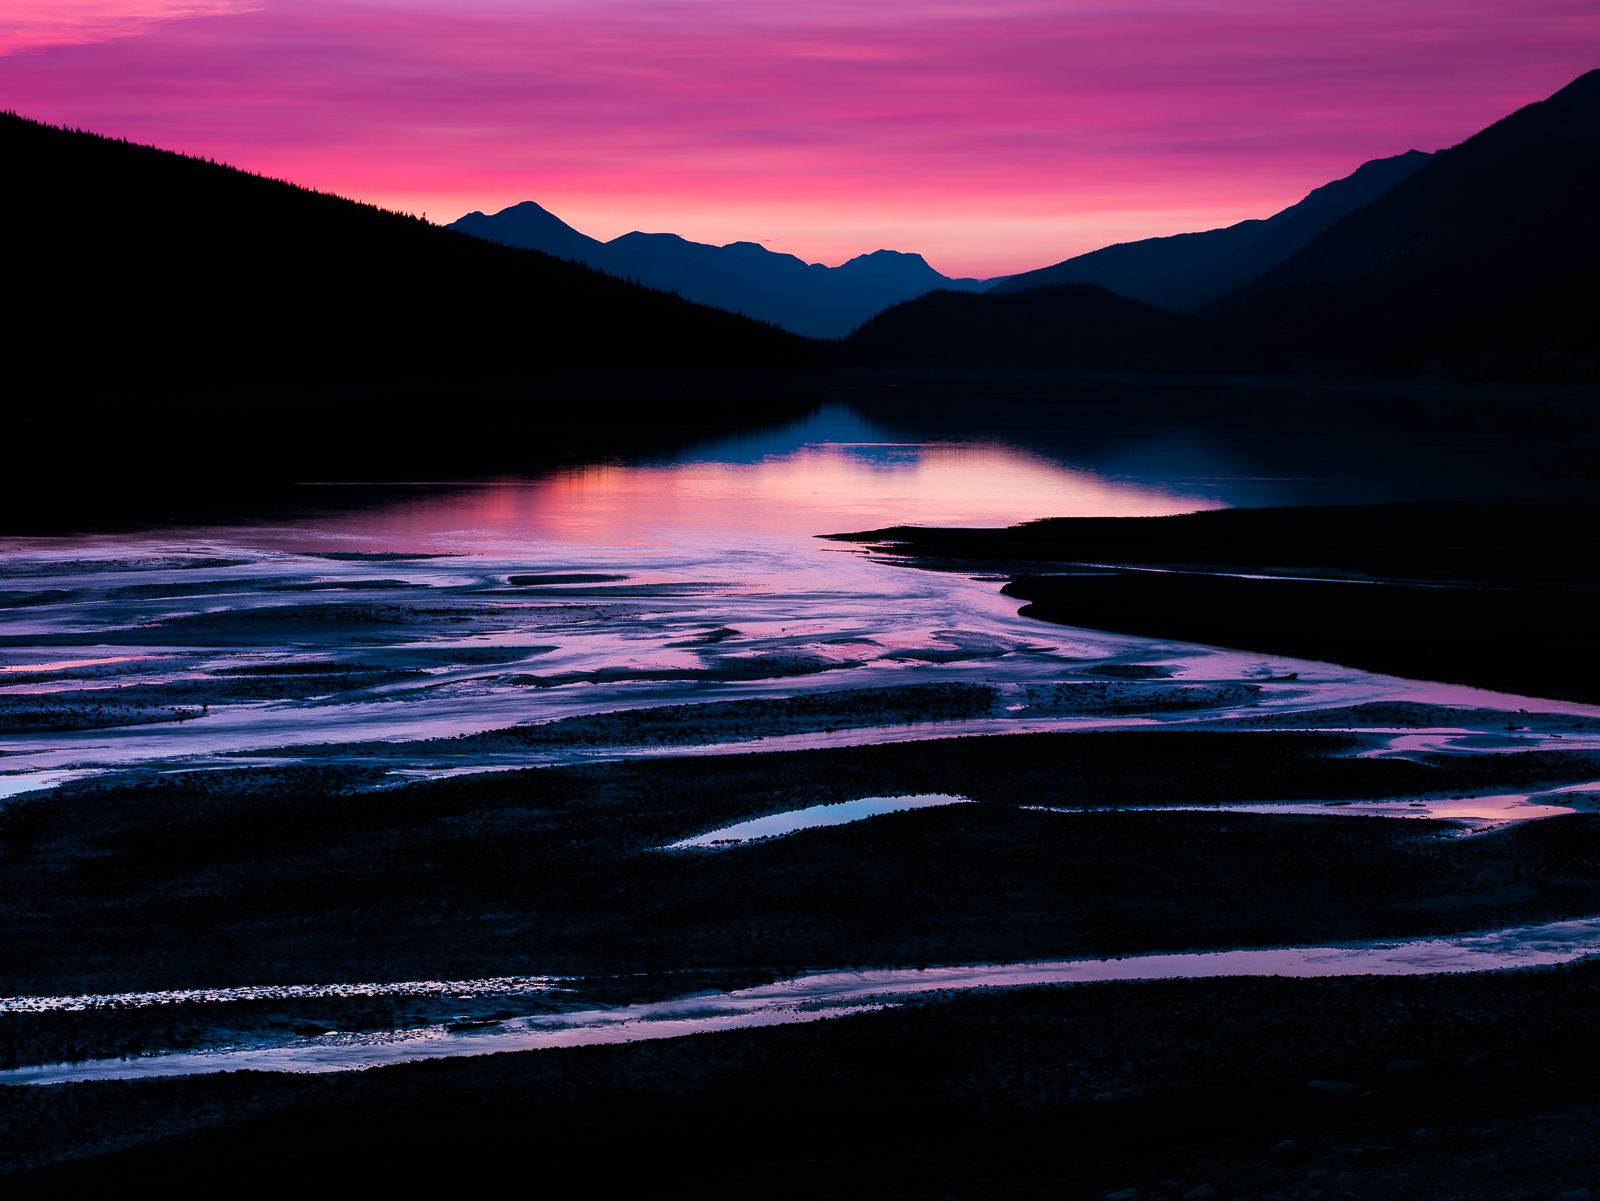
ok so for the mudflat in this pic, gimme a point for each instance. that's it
(227, 885)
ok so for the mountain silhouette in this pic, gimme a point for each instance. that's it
(175, 331)
(1484, 260)
(128, 257)
(743, 277)
(1066, 325)
(531, 227)
(1479, 264)
(1186, 271)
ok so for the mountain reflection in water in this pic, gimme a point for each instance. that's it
(982, 462)
(694, 577)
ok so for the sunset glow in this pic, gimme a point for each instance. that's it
(992, 138)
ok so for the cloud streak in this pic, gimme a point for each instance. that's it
(27, 25)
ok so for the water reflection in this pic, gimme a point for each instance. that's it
(980, 458)
(832, 471)
(814, 817)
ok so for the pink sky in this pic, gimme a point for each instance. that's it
(991, 137)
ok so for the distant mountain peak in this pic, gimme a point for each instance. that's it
(912, 268)
(880, 258)
(532, 227)
(745, 277)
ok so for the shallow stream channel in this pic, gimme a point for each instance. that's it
(803, 999)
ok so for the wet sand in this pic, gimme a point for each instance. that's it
(170, 882)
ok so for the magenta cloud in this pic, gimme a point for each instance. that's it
(991, 137)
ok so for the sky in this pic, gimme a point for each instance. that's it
(991, 137)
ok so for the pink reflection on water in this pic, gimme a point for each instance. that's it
(64, 664)
(804, 492)
(816, 488)
(1473, 813)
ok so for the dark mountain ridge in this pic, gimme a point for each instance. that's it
(1515, 196)
(128, 256)
(743, 277)
(1186, 271)
(174, 329)
(1482, 264)
(1068, 325)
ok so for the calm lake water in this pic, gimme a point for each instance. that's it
(980, 460)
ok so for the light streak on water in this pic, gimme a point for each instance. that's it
(835, 994)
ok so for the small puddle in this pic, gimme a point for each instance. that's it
(776, 824)
(830, 994)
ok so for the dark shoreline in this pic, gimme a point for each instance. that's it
(1528, 643)
(1495, 595)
